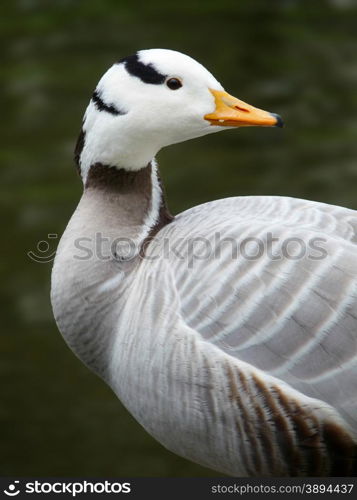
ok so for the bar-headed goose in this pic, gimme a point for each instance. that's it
(228, 331)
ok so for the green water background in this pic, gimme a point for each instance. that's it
(296, 58)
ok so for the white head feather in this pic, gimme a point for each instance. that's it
(152, 115)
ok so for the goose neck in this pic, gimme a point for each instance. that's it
(130, 204)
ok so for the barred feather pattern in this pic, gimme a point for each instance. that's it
(247, 366)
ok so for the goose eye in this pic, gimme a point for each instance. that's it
(173, 83)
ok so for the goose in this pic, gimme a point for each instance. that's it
(228, 331)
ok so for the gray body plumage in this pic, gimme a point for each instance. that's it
(248, 366)
(230, 331)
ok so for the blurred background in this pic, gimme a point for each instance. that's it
(294, 57)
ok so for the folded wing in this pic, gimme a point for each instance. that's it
(273, 282)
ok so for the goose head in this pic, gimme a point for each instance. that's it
(152, 99)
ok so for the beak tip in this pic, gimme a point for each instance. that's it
(279, 120)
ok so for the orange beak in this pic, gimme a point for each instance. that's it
(231, 112)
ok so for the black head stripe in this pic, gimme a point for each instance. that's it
(146, 72)
(102, 106)
(79, 148)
